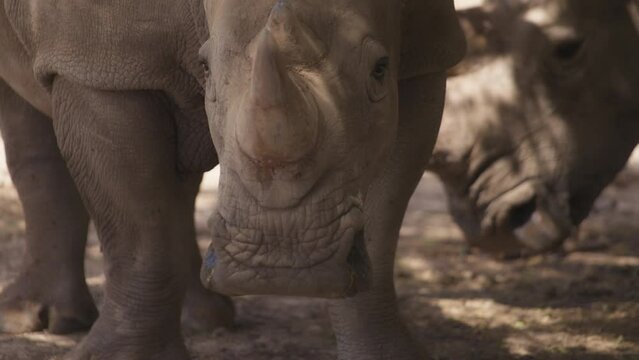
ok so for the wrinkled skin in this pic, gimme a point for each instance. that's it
(128, 120)
(525, 153)
(317, 124)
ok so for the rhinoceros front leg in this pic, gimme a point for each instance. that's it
(202, 310)
(120, 148)
(368, 326)
(50, 291)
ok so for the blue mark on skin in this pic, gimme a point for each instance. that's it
(210, 259)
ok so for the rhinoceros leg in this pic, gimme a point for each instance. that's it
(203, 310)
(121, 150)
(368, 326)
(50, 291)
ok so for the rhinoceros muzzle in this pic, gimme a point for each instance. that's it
(289, 253)
(523, 221)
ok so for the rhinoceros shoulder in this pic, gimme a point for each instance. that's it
(110, 45)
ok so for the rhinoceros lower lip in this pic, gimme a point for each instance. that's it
(304, 249)
(540, 234)
(320, 259)
(541, 228)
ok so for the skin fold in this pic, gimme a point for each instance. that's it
(550, 121)
(322, 119)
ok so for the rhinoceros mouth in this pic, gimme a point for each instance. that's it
(290, 248)
(524, 220)
(315, 249)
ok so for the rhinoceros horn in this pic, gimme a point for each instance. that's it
(295, 40)
(279, 119)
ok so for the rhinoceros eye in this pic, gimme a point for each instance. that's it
(566, 44)
(380, 69)
(568, 49)
(375, 57)
(566, 52)
(377, 82)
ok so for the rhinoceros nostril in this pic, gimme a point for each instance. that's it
(521, 214)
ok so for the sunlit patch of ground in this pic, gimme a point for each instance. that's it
(460, 304)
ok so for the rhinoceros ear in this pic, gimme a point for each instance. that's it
(432, 40)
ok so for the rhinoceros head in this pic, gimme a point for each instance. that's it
(549, 122)
(303, 109)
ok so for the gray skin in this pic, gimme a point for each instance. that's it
(68, 96)
(539, 119)
(322, 133)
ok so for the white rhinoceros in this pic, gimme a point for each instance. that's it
(322, 115)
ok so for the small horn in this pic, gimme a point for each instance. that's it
(296, 41)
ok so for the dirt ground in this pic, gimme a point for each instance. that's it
(459, 304)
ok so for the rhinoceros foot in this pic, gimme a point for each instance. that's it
(35, 303)
(204, 311)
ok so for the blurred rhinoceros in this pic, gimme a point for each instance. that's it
(539, 119)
